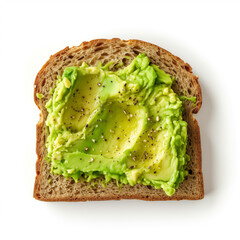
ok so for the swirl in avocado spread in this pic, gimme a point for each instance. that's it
(125, 125)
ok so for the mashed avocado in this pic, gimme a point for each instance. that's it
(125, 125)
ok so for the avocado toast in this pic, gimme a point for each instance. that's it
(84, 168)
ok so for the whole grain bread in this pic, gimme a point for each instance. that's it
(50, 187)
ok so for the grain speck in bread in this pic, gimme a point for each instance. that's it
(50, 187)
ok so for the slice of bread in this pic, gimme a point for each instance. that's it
(49, 187)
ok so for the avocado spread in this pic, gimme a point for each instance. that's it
(124, 125)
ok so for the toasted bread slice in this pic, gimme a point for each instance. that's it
(61, 189)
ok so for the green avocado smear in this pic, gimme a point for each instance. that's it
(124, 125)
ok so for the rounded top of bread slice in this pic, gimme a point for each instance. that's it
(117, 50)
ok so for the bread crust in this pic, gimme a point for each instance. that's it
(156, 55)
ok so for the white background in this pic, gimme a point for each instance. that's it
(205, 34)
